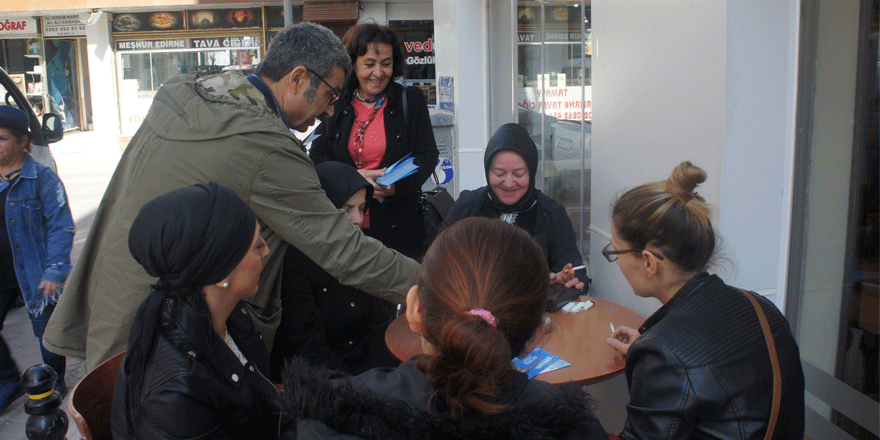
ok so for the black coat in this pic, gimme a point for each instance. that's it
(328, 323)
(701, 369)
(397, 222)
(183, 398)
(394, 404)
(553, 229)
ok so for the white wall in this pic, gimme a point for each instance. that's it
(460, 35)
(410, 11)
(102, 77)
(658, 99)
(756, 171)
(374, 11)
(381, 11)
(709, 82)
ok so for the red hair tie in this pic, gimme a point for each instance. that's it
(485, 314)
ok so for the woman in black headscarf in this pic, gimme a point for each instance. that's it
(194, 364)
(511, 162)
(327, 323)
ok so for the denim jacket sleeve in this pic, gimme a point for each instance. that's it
(59, 227)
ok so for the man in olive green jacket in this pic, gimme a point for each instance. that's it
(234, 130)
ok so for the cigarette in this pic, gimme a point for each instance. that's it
(612, 327)
(583, 266)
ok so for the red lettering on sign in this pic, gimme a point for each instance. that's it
(419, 46)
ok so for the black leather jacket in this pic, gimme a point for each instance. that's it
(701, 369)
(182, 398)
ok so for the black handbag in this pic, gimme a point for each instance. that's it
(435, 205)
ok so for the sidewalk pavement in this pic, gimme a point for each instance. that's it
(86, 162)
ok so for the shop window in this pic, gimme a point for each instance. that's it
(834, 279)
(144, 71)
(417, 37)
(553, 98)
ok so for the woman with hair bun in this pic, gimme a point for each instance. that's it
(480, 298)
(699, 367)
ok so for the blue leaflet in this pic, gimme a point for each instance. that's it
(400, 169)
(539, 361)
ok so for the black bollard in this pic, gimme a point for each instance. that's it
(46, 420)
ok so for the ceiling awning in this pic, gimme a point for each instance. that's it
(324, 11)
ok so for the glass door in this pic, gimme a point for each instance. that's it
(63, 82)
(553, 96)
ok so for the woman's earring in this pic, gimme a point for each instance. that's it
(224, 284)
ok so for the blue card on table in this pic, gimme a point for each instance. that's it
(539, 361)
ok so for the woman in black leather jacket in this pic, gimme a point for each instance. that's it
(194, 365)
(481, 296)
(699, 367)
(377, 122)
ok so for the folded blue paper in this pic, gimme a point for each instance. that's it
(539, 361)
(400, 169)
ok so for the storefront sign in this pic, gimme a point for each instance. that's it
(18, 26)
(63, 26)
(207, 43)
(225, 18)
(151, 44)
(559, 102)
(418, 47)
(445, 94)
(535, 37)
(147, 21)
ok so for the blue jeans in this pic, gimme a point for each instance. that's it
(38, 323)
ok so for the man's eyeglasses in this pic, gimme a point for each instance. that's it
(336, 92)
(611, 255)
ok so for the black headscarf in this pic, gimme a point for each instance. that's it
(340, 181)
(189, 238)
(514, 138)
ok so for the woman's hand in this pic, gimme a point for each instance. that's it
(378, 190)
(380, 193)
(49, 288)
(622, 338)
(566, 277)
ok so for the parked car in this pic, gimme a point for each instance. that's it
(44, 131)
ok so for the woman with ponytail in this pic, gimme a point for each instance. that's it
(480, 298)
(194, 367)
(699, 367)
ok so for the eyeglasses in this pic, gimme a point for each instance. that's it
(336, 92)
(611, 255)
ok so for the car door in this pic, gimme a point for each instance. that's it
(43, 132)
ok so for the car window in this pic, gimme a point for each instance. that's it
(8, 97)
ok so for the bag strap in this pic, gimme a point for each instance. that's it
(405, 108)
(774, 361)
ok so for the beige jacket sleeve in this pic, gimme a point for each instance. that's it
(286, 194)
